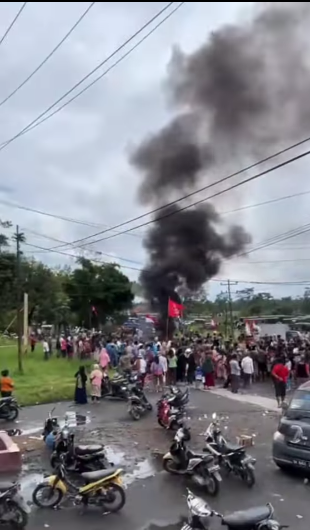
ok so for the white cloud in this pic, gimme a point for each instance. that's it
(76, 164)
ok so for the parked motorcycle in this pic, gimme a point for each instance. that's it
(138, 402)
(13, 509)
(101, 488)
(118, 386)
(201, 467)
(50, 424)
(81, 458)
(258, 518)
(171, 409)
(231, 457)
(9, 408)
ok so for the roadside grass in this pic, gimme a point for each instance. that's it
(42, 381)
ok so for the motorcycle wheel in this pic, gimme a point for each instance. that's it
(54, 496)
(115, 492)
(149, 406)
(212, 486)
(161, 423)
(248, 477)
(20, 520)
(12, 413)
(170, 466)
(135, 414)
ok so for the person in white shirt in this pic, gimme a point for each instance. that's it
(46, 349)
(164, 364)
(247, 369)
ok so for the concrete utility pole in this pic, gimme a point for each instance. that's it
(228, 285)
(26, 323)
(18, 238)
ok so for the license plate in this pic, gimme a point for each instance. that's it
(118, 481)
(301, 463)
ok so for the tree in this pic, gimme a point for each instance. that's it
(97, 291)
(4, 242)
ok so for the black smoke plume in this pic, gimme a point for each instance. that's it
(241, 95)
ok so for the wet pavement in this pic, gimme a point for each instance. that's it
(154, 498)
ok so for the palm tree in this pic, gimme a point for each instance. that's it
(4, 242)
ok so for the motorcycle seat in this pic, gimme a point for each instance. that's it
(93, 476)
(247, 518)
(4, 486)
(205, 456)
(232, 448)
(88, 449)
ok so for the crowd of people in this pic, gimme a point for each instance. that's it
(200, 360)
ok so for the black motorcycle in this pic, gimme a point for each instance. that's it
(50, 425)
(9, 408)
(202, 468)
(117, 387)
(138, 402)
(13, 509)
(231, 457)
(80, 458)
(200, 515)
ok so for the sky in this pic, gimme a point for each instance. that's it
(76, 164)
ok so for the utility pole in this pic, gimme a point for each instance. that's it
(18, 237)
(26, 323)
(228, 285)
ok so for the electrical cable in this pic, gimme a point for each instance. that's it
(30, 76)
(169, 214)
(33, 124)
(7, 31)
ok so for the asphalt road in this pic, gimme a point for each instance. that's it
(155, 498)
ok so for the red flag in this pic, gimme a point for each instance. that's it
(94, 310)
(175, 310)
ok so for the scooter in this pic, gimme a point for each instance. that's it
(258, 518)
(79, 458)
(232, 458)
(201, 467)
(138, 402)
(101, 488)
(14, 510)
(117, 386)
(9, 408)
(50, 424)
(171, 409)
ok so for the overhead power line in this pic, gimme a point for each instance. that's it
(7, 31)
(254, 282)
(141, 235)
(34, 123)
(169, 214)
(54, 50)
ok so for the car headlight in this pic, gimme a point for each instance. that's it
(278, 437)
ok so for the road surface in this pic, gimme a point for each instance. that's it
(155, 498)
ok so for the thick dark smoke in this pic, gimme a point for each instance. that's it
(242, 94)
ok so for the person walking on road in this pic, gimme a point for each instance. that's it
(280, 374)
(247, 369)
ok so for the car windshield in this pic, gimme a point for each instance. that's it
(300, 401)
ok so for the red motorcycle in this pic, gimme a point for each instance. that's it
(171, 409)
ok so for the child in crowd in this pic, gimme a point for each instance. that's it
(6, 384)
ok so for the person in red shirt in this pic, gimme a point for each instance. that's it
(280, 374)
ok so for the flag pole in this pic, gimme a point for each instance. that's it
(167, 323)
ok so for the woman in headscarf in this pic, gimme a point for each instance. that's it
(96, 380)
(80, 396)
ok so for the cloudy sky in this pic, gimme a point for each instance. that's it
(75, 165)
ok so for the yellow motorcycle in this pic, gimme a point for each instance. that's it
(101, 488)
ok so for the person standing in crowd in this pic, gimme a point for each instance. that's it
(157, 373)
(235, 371)
(208, 371)
(46, 349)
(96, 380)
(280, 374)
(247, 370)
(104, 359)
(80, 395)
(172, 366)
(164, 365)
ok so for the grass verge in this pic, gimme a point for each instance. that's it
(42, 381)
